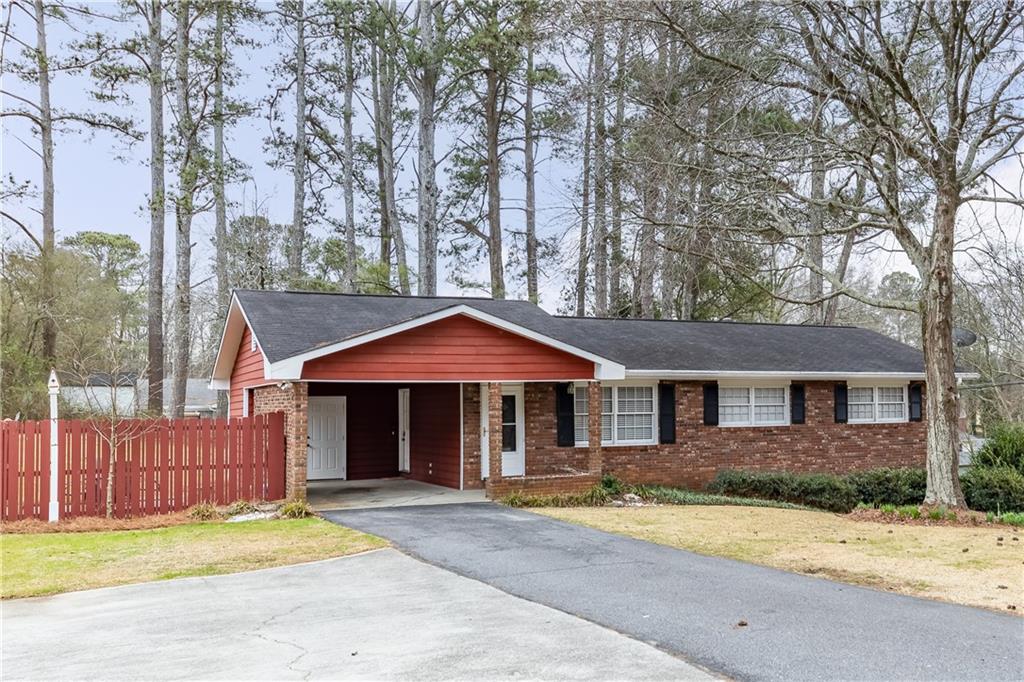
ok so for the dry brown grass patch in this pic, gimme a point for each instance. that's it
(978, 566)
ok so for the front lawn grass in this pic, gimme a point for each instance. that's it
(977, 566)
(47, 563)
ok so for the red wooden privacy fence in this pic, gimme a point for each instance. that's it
(161, 465)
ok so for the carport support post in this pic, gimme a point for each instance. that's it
(494, 432)
(595, 461)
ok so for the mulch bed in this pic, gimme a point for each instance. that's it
(90, 524)
(963, 518)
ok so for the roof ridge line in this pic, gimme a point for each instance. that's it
(362, 295)
(653, 319)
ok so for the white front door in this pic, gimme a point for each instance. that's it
(513, 436)
(327, 438)
(403, 429)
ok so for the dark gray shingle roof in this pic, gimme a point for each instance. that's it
(289, 323)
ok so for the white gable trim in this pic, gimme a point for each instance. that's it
(290, 369)
(230, 339)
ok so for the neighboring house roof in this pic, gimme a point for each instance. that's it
(99, 379)
(198, 394)
(289, 325)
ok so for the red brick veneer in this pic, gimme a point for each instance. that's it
(819, 445)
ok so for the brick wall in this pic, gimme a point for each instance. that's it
(471, 436)
(543, 456)
(542, 485)
(293, 402)
(819, 445)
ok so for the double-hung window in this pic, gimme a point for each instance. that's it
(872, 404)
(627, 415)
(753, 406)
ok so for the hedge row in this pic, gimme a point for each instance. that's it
(995, 489)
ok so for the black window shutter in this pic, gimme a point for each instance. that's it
(840, 403)
(711, 404)
(915, 402)
(666, 413)
(565, 425)
(797, 411)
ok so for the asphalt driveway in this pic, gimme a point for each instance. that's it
(796, 627)
(377, 616)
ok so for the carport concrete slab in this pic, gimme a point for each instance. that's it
(379, 616)
(384, 492)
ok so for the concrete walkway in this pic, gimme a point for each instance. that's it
(795, 627)
(377, 616)
(385, 492)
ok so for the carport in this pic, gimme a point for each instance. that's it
(325, 495)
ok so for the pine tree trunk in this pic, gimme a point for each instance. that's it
(220, 207)
(600, 170)
(616, 302)
(155, 290)
(529, 140)
(187, 180)
(426, 216)
(493, 123)
(816, 282)
(584, 257)
(943, 485)
(297, 238)
(348, 171)
(46, 288)
(385, 227)
(388, 81)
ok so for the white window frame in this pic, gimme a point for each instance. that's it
(751, 387)
(875, 402)
(614, 386)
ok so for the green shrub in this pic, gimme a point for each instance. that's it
(823, 491)
(1004, 447)
(296, 509)
(889, 486)
(888, 508)
(908, 511)
(1012, 518)
(681, 496)
(611, 484)
(937, 513)
(995, 489)
(204, 511)
(241, 507)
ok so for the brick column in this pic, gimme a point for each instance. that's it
(595, 462)
(294, 402)
(494, 431)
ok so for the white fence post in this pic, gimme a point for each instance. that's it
(54, 387)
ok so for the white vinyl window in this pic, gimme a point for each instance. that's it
(627, 415)
(581, 402)
(873, 404)
(753, 405)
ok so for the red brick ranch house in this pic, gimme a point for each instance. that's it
(471, 393)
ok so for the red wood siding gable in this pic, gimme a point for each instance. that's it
(247, 371)
(456, 348)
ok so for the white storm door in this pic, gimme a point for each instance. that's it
(327, 438)
(513, 436)
(403, 429)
